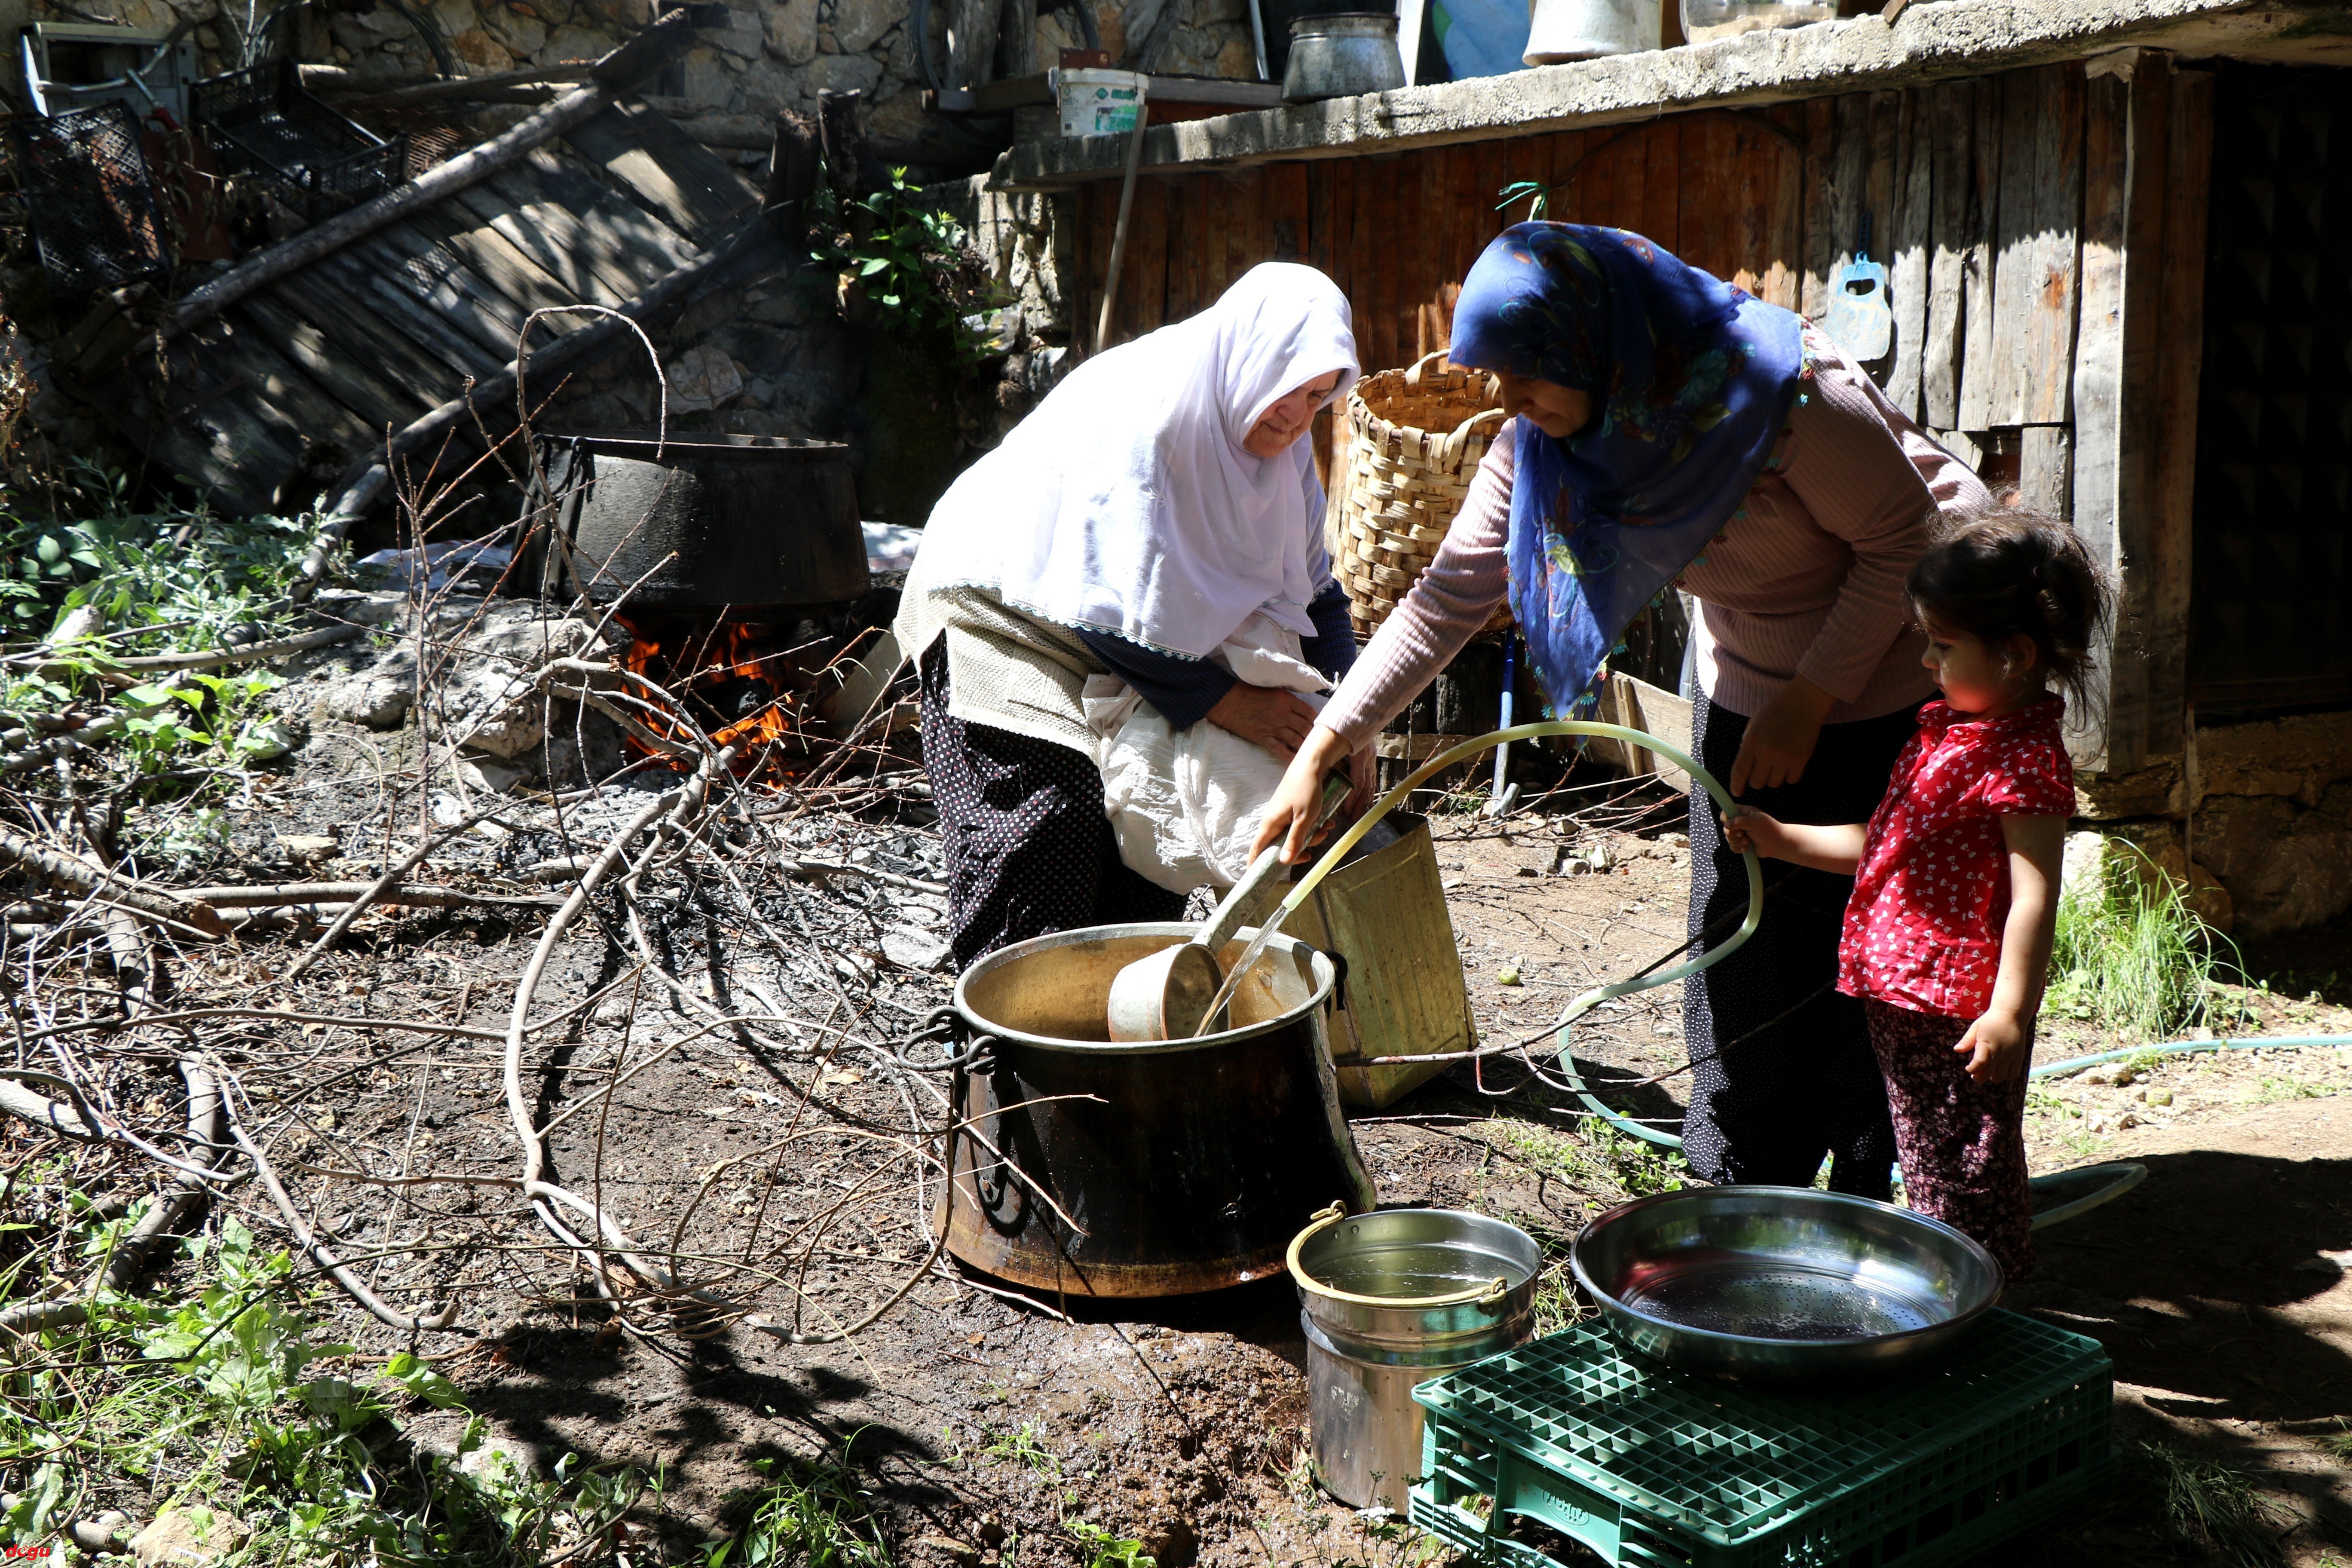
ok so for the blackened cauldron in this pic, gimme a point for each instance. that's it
(742, 520)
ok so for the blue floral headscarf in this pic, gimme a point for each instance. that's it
(1690, 380)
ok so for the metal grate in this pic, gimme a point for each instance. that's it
(2273, 508)
(91, 203)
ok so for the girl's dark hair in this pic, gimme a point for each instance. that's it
(2013, 572)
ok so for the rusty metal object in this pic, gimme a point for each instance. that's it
(751, 520)
(1176, 1166)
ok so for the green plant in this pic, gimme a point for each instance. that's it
(913, 262)
(1023, 1448)
(183, 569)
(2214, 1505)
(1640, 1167)
(2129, 956)
(225, 1403)
(1555, 1304)
(817, 1516)
(1106, 1549)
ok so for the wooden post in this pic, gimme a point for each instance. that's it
(972, 41)
(2133, 334)
(1019, 48)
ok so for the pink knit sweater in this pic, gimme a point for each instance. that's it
(1806, 578)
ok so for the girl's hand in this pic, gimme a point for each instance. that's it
(1779, 740)
(1291, 816)
(1273, 718)
(1748, 829)
(1996, 1045)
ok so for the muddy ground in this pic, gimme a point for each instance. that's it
(995, 1434)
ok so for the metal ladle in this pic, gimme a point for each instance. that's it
(1166, 997)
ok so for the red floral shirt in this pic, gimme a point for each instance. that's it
(1923, 928)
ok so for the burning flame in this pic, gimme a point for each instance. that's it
(685, 661)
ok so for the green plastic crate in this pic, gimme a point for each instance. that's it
(1649, 1466)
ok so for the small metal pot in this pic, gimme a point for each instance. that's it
(1342, 56)
(1158, 1168)
(1782, 1283)
(1389, 1300)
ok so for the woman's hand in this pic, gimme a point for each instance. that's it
(1996, 1045)
(1779, 740)
(1294, 814)
(1273, 718)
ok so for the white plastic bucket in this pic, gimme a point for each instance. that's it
(1561, 30)
(1099, 102)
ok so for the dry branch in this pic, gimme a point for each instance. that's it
(96, 882)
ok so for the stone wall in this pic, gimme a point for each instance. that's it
(2256, 818)
(775, 53)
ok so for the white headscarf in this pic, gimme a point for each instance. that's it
(1125, 503)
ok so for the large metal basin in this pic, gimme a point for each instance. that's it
(1176, 1165)
(1781, 1284)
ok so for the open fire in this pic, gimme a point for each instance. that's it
(738, 681)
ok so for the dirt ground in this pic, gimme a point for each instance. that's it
(996, 1434)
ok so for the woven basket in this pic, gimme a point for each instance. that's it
(1415, 437)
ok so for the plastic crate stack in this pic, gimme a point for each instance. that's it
(1649, 1466)
(314, 161)
(88, 194)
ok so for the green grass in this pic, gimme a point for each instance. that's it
(2214, 1506)
(816, 1516)
(2130, 958)
(224, 1402)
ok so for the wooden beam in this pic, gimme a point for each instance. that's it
(2180, 313)
(613, 75)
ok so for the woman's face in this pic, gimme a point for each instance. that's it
(1286, 421)
(1557, 411)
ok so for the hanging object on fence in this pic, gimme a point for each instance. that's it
(1858, 320)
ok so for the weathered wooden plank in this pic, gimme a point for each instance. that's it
(1391, 334)
(1661, 185)
(645, 246)
(359, 329)
(493, 258)
(542, 232)
(408, 258)
(662, 170)
(1950, 109)
(1979, 331)
(2188, 189)
(1907, 271)
(356, 380)
(1707, 231)
(1343, 231)
(1287, 217)
(1146, 256)
(1784, 219)
(2110, 449)
(401, 308)
(2017, 276)
(1822, 238)
(2045, 474)
(1880, 175)
(2049, 345)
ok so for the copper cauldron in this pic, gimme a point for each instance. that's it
(1176, 1165)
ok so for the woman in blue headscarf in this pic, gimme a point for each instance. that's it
(1671, 432)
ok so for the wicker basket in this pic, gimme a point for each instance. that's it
(1416, 438)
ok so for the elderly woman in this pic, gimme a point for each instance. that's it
(1671, 431)
(1136, 576)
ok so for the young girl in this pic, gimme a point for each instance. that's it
(1947, 935)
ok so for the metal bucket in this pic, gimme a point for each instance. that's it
(1342, 56)
(1154, 1168)
(1389, 1300)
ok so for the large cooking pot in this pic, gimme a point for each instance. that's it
(1176, 1165)
(701, 522)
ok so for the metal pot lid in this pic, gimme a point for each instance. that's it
(1345, 24)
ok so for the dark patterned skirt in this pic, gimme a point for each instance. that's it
(1029, 849)
(1785, 1073)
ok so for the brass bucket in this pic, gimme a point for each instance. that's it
(1401, 991)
